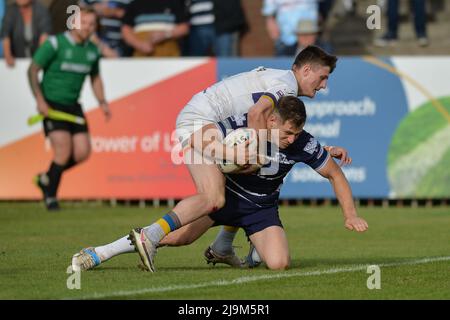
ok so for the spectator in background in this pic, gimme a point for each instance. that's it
(308, 34)
(282, 18)
(110, 13)
(325, 7)
(215, 27)
(390, 37)
(153, 28)
(59, 14)
(202, 33)
(230, 24)
(25, 26)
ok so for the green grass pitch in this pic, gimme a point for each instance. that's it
(411, 246)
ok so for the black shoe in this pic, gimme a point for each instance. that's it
(42, 182)
(52, 204)
(230, 259)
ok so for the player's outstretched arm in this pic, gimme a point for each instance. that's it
(343, 193)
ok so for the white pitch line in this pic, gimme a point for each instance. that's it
(247, 279)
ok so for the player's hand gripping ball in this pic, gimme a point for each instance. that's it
(237, 137)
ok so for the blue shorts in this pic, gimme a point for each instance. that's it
(239, 212)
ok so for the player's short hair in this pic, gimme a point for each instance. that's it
(290, 108)
(314, 54)
(88, 9)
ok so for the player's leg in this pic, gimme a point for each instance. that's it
(194, 230)
(210, 197)
(238, 211)
(223, 244)
(208, 180)
(191, 232)
(61, 144)
(91, 257)
(221, 250)
(268, 240)
(187, 234)
(81, 149)
(81, 139)
(210, 186)
(272, 246)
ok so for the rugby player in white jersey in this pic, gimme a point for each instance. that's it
(252, 200)
(255, 92)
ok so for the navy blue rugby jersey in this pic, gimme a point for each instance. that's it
(264, 189)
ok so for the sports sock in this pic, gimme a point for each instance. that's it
(71, 163)
(162, 227)
(123, 245)
(54, 174)
(224, 241)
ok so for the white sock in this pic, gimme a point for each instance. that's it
(123, 245)
(154, 232)
(224, 241)
(163, 226)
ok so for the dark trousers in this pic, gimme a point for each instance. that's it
(419, 18)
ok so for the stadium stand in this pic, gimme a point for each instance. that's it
(349, 35)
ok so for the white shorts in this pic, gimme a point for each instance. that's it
(196, 114)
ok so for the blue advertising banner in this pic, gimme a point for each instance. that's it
(359, 110)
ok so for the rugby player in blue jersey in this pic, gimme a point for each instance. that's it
(252, 199)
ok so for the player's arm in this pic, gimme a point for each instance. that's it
(42, 58)
(33, 80)
(260, 112)
(98, 89)
(343, 193)
(339, 153)
(208, 142)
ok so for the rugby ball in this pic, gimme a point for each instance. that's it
(237, 137)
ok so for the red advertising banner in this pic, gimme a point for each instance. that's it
(131, 156)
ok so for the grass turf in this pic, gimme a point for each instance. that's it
(36, 249)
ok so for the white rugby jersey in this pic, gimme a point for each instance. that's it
(236, 94)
